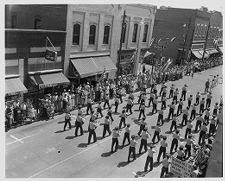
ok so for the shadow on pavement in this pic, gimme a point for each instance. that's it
(156, 164)
(70, 137)
(140, 174)
(99, 138)
(106, 154)
(136, 121)
(60, 122)
(152, 127)
(123, 164)
(136, 110)
(60, 131)
(82, 145)
(85, 131)
(168, 132)
(166, 120)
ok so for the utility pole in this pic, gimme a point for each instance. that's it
(121, 43)
(207, 32)
(185, 40)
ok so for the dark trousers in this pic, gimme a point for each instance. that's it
(188, 131)
(162, 150)
(78, 126)
(163, 106)
(116, 106)
(201, 110)
(126, 137)
(91, 132)
(141, 129)
(110, 115)
(154, 109)
(121, 98)
(160, 91)
(143, 144)
(174, 143)
(156, 135)
(149, 162)
(129, 108)
(67, 122)
(164, 171)
(131, 150)
(173, 125)
(106, 102)
(193, 113)
(122, 121)
(208, 103)
(171, 94)
(183, 95)
(187, 151)
(175, 99)
(197, 101)
(171, 112)
(206, 118)
(160, 118)
(179, 110)
(184, 120)
(114, 142)
(212, 129)
(139, 99)
(89, 107)
(150, 101)
(142, 112)
(99, 111)
(201, 139)
(106, 128)
(198, 125)
(189, 104)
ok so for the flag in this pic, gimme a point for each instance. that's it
(164, 68)
(200, 156)
(103, 76)
(151, 42)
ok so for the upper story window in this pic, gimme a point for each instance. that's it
(37, 22)
(124, 33)
(134, 37)
(145, 33)
(76, 34)
(106, 35)
(14, 21)
(92, 34)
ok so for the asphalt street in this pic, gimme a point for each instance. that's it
(43, 150)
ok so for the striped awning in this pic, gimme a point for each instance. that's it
(14, 86)
(86, 67)
(197, 54)
(211, 51)
(105, 63)
(49, 79)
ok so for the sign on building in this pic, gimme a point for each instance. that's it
(50, 55)
(180, 168)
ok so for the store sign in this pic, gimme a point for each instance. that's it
(50, 55)
(180, 168)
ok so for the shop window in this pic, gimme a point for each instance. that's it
(37, 22)
(92, 34)
(14, 21)
(134, 37)
(106, 35)
(76, 34)
(145, 33)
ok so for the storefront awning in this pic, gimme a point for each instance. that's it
(49, 80)
(221, 49)
(14, 86)
(206, 55)
(211, 51)
(197, 54)
(86, 67)
(105, 63)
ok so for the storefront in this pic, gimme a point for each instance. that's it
(127, 62)
(89, 69)
(14, 88)
(42, 83)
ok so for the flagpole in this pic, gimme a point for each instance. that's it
(205, 41)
